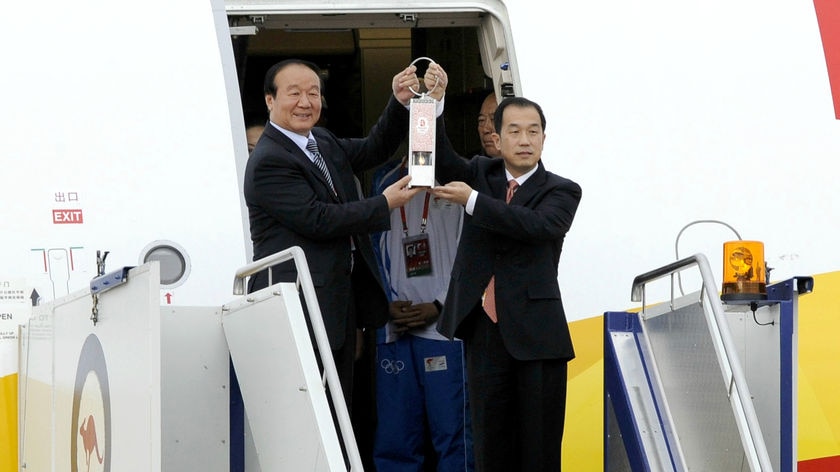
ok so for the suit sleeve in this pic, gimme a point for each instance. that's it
(550, 218)
(383, 140)
(450, 166)
(285, 191)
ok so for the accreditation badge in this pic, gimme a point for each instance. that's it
(418, 255)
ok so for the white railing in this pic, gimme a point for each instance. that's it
(740, 399)
(331, 380)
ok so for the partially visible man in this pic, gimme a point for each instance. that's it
(252, 135)
(300, 191)
(486, 128)
(504, 299)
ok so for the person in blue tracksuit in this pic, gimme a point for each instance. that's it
(421, 386)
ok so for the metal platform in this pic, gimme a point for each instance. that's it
(694, 385)
(146, 387)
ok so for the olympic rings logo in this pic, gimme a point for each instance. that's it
(391, 366)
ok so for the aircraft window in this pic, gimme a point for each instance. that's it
(173, 259)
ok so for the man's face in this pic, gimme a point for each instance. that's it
(297, 103)
(485, 126)
(520, 139)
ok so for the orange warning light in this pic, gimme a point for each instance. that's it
(744, 275)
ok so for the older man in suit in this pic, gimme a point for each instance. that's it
(300, 191)
(504, 299)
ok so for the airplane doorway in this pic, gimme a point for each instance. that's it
(358, 65)
(359, 54)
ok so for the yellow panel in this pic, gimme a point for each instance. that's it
(583, 437)
(819, 351)
(8, 423)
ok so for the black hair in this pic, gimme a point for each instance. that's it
(269, 88)
(520, 102)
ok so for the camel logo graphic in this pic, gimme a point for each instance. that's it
(88, 433)
(90, 443)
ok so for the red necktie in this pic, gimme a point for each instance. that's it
(489, 302)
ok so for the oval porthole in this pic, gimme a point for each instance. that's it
(173, 259)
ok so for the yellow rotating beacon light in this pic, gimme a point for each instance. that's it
(744, 274)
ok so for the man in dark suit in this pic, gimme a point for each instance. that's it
(300, 191)
(504, 299)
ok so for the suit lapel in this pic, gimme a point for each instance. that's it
(328, 152)
(530, 188)
(297, 153)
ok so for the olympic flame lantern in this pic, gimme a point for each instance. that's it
(744, 274)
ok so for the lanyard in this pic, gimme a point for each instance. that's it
(425, 217)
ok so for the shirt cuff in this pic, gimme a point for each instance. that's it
(470, 206)
(439, 106)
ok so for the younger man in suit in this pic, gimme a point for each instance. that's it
(503, 299)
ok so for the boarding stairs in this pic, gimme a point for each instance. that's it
(110, 379)
(693, 384)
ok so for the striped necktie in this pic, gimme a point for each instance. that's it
(489, 302)
(312, 147)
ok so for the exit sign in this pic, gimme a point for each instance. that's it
(64, 217)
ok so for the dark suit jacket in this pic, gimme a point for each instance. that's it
(520, 243)
(290, 204)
